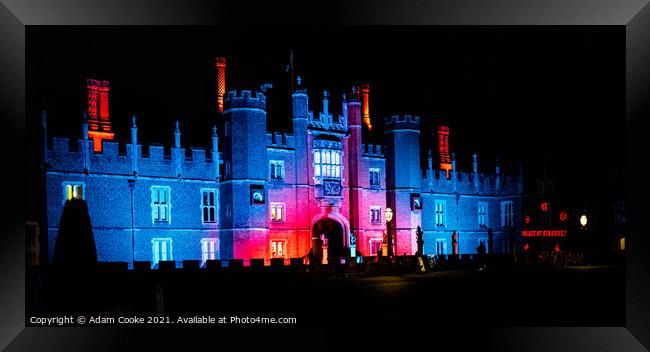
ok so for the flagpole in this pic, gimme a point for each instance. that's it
(291, 67)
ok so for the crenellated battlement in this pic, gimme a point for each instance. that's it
(116, 158)
(245, 99)
(300, 92)
(402, 122)
(280, 140)
(372, 150)
(463, 183)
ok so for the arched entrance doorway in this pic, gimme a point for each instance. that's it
(333, 231)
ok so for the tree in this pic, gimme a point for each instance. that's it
(75, 243)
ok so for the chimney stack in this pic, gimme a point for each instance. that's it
(220, 64)
(365, 105)
(99, 120)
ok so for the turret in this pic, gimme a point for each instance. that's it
(498, 176)
(352, 113)
(215, 152)
(354, 109)
(244, 187)
(177, 135)
(403, 177)
(326, 95)
(85, 145)
(300, 115)
(475, 171)
(134, 146)
(179, 153)
(454, 173)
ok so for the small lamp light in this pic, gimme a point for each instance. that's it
(389, 214)
(583, 220)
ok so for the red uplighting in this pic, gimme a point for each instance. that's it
(564, 216)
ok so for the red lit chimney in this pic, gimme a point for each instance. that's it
(99, 121)
(365, 107)
(443, 149)
(220, 64)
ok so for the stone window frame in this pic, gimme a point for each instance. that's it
(155, 206)
(378, 209)
(214, 206)
(440, 212)
(378, 172)
(482, 216)
(206, 254)
(156, 247)
(282, 206)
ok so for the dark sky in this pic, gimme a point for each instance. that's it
(529, 93)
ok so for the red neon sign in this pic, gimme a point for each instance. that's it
(543, 233)
(527, 219)
(526, 246)
(544, 206)
(563, 216)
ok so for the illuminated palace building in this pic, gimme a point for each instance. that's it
(267, 195)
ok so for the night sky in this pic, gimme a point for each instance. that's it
(524, 93)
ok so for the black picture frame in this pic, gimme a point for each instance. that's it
(15, 15)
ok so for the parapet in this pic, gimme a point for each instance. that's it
(372, 150)
(402, 122)
(245, 99)
(300, 91)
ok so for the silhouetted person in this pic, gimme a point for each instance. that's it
(75, 243)
(481, 255)
(490, 241)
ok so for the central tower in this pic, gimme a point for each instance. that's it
(244, 225)
(403, 177)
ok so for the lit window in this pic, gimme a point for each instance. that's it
(277, 212)
(276, 169)
(209, 249)
(160, 204)
(441, 246)
(482, 214)
(506, 214)
(162, 250)
(327, 164)
(277, 249)
(209, 205)
(375, 215)
(375, 246)
(440, 212)
(374, 177)
(73, 190)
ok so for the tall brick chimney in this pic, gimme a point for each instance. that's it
(99, 120)
(365, 105)
(220, 64)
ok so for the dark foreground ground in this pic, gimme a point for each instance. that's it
(500, 296)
